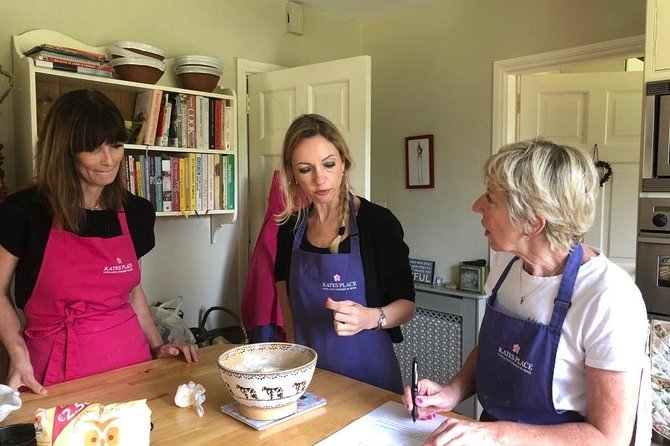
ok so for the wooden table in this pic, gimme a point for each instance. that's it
(157, 381)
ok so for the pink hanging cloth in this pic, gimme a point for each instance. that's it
(261, 313)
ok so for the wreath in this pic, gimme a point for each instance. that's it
(604, 170)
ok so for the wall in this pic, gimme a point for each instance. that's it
(183, 262)
(432, 74)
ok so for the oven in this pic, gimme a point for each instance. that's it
(655, 161)
(652, 271)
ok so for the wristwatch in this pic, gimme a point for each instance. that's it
(381, 323)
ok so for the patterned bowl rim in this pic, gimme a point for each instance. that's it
(258, 346)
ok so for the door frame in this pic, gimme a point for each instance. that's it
(505, 74)
(245, 67)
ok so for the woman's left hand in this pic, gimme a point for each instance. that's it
(456, 432)
(350, 317)
(175, 348)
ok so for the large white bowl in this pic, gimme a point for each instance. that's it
(267, 379)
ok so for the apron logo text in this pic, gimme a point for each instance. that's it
(118, 269)
(339, 286)
(512, 358)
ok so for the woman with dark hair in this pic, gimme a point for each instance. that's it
(72, 244)
(342, 269)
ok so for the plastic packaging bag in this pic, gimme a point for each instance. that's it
(168, 319)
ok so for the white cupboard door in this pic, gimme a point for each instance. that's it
(582, 110)
(657, 48)
(338, 90)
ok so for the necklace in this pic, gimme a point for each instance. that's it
(541, 285)
(95, 207)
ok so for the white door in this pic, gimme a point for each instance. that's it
(585, 109)
(338, 90)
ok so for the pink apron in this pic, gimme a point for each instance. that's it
(79, 320)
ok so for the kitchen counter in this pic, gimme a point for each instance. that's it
(157, 381)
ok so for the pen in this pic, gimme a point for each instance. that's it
(415, 387)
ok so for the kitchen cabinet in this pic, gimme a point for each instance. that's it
(443, 332)
(36, 88)
(657, 47)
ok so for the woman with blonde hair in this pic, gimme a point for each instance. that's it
(342, 269)
(561, 347)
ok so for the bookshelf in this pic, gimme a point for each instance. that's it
(36, 88)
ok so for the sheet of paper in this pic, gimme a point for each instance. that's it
(387, 425)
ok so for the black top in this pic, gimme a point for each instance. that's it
(25, 223)
(385, 257)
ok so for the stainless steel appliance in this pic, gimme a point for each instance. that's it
(652, 271)
(656, 138)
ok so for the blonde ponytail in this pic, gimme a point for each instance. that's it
(343, 216)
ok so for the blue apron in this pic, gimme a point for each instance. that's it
(367, 356)
(515, 363)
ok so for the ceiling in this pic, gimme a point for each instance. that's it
(363, 10)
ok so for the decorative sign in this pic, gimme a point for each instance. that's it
(422, 270)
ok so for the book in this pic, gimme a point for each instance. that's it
(174, 128)
(227, 125)
(211, 124)
(175, 178)
(158, 182)
(163, 125)
(150, 179)
(147, 107)
(306, 403)
(130, 161)
(199, 183)
(217, 182)
(202, 122)
(166, 180)
(230, 181)
(184, 197)
(218, 128)
(192, 190)
(72, 68)
(66, 51)
(190, 121)
(77, 61)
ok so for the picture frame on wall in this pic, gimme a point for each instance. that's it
(472, 278)
(419, 162)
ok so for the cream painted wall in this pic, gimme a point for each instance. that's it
(184, 262)
(432, 74)
(432, 71)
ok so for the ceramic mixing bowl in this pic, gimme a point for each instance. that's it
(267, 379)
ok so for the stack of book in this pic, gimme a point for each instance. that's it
(70, 59)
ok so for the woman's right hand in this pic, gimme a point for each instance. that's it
(431, 399)
(21, 374)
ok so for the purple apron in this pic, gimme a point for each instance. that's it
(515, 364)
(367, 356)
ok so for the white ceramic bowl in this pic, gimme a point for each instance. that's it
(267, 378)
(196, 77)
(199, 60)
(142, 48)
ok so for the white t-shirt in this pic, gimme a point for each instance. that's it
(605, 328)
